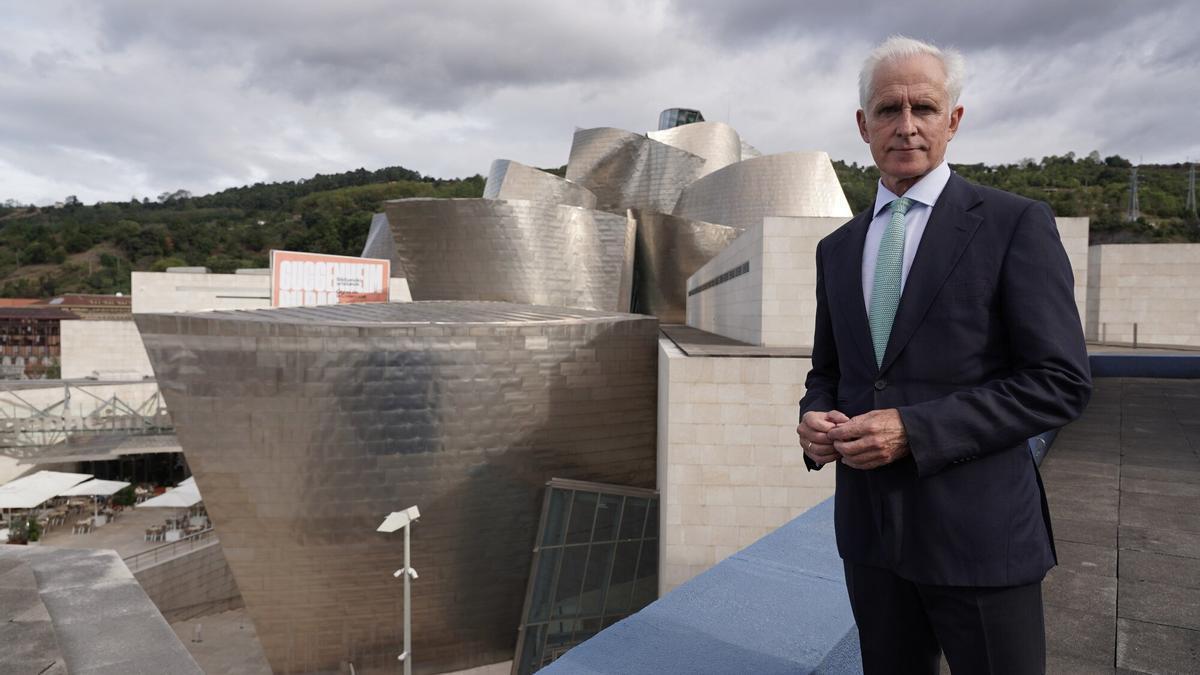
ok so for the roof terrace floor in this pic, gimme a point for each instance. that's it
(1123, 484)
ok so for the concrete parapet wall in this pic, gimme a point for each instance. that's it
(773, 303)
(195, 583)
(1074, 235)
(730, 468)
(1151, 285)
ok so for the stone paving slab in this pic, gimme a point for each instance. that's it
(1087, 558)
(1153, 648)
(27, 640)
(1146, 566)
(1166, 475)
(102, 619)
(1085, 531)
(1079, 636)
(1166, 604)
(1163, 519)
(1088, 593)
(1169, 542)
(1124, 493)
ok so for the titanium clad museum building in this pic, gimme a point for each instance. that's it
(515, 401)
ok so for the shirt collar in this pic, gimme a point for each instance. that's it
(926, 191)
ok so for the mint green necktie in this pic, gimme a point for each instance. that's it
(889, 266)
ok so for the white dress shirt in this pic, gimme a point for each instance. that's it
(924, 195)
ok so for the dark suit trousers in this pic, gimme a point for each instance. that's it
(904, 627)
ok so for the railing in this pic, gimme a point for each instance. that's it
(172, 550)
(1117, 336)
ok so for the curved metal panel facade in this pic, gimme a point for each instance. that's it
(512, 180)
(669, 250)
(380, 243)
(514, 251)
(718, 143)
(800, 184)
(306, 426)
(627, 170)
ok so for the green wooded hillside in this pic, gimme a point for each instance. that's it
(92, 248)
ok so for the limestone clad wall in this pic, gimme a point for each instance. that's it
(773, 303)
(196, 583)
(1074, 235)
(730, 468)
(1151, 285)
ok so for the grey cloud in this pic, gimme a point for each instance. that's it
(421, 55)
(110, 99)
(1038, 25)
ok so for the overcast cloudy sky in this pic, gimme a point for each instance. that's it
(107, 100)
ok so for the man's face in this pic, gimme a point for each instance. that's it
(908, 120)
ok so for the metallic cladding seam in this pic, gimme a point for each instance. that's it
(801, 184)
(512, 180)
(514, 251)
(669, 250)
(718, 143)
(380, 244)
(627, 170)
(305, 426)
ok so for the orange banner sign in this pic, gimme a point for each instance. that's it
(308, 279)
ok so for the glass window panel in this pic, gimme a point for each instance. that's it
(620, 589)
(570, 576)
(586, 628)
(610, 620)
(558, 639)
(555, 516)
(608, 518)
(634, 518)
(583, 512)
(646, 589)
(539, 604)
(652, 520)
(591, 600)
(530, 650)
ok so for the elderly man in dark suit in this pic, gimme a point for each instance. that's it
(946, 335)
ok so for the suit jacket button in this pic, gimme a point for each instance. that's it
(880, 385)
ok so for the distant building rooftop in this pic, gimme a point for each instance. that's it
(92, 306)
(18, 302)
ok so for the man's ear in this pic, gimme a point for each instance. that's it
(955, 119)
(862, 124)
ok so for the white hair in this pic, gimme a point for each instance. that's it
(899, 47)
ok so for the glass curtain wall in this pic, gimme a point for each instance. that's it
(595, 562)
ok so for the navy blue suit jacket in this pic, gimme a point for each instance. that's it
(986, 351)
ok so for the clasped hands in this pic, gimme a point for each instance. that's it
(867, 441)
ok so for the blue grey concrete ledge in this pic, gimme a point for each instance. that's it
(777, 606)
(1177, 366)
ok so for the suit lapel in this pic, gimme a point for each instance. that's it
(949, 230)
(845, 283)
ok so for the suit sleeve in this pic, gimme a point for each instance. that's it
(822, 381)
(1049, 382)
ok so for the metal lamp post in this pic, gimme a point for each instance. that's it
(395, 521)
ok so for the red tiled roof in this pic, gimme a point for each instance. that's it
(38, 313)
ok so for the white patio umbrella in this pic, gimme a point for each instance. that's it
(182, 497)
(95, 488)
(30, 492)
(186, 495)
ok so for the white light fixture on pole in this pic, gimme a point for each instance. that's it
(396, 521)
